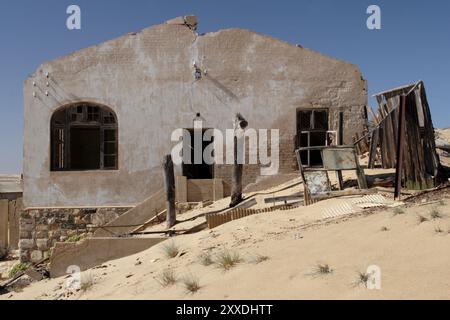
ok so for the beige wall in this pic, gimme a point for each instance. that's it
(147, 79)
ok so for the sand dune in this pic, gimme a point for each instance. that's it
(413, 257)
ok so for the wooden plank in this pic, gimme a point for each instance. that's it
(362, 181)
(400, 149)
(344, 193)
(169, 183)
(390, 142)
(14, 211)
(374, 139)
(295, 197)
(374, 117)
(340, 141)
(4, 211)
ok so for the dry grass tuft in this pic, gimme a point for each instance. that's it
(227, 260)
(191, 284)
(422, 219)
(398, 211)
(171, 249)
(438, 230)
(87, 281)
(322, 269)
(363, 278)
(167, 278)
(435, 214)
(259, 259)
(206, 259)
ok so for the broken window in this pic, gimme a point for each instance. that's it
(312, 128)
(84, 137)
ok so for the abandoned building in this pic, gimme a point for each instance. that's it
(99, 121)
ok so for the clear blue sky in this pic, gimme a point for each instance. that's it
(413, 43)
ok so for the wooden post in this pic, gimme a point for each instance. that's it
(3, 228)
(340, 141)
(400, 149)
(169, 182)
(236, 188)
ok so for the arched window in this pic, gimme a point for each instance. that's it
(84, 137)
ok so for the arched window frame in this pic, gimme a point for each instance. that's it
(84, 115)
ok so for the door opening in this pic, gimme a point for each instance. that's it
(197, 171)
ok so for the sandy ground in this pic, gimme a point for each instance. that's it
(413, 257)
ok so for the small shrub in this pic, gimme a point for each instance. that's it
(384, 229)
(259, 258)
(322, 269)
(227, 260)
(87, 281)
(398, 211)
(206, 259)
(17, 269)
(435, 214)
(74, 238)
(438, 230)
(422, 219)
(191, 284)
(167, 278)
(171, 249)
(363, 278)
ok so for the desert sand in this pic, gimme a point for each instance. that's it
(279, 253)
(413, 257)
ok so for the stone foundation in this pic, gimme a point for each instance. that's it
(40, 229)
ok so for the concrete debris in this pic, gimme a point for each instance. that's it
(189, 21)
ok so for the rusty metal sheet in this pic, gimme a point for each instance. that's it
(339, 159)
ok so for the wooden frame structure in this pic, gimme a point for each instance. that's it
(336, 158)
(405, 137)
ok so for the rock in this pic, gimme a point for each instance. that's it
(191, 22)
(42, 227)
(41, 234)
(36, 256)
(26, 244)
(42, 244)
(26, 227)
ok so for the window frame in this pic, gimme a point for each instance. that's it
(78, 115)
(313, 128)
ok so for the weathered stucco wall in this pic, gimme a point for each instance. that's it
(147, 79)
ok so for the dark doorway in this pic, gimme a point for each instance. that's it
(85, 148)
(312, 127)
(197, 171)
